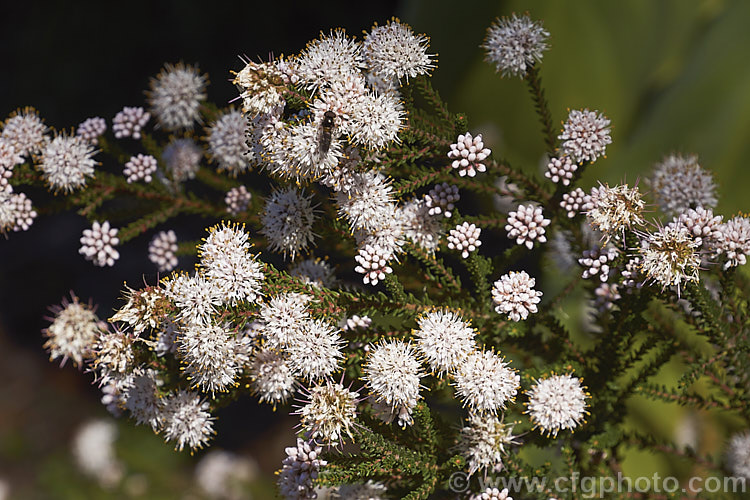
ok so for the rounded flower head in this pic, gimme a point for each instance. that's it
(738, 455)
(227, 144)
(515, 44)
(485, 382)
(90, 129)
(208, 352)
(16, 212)
(393, 52)
(25, 131)
(734, 241)
(271, 376)
(186, 420)
(97, 244)
(420, 226)
(316, 272)
(561, 170)
(228, 264)
(392, 372)
(66, 162)
(483, 442)
(492, 494)
(376, 120)
(330, 58)
(176, 94)
(259, 85)
(679, 183)
(237, 200)
(372, 262)
(612, 210)
(282, 318)
(196, 297)
(670, 256)
(162, 250)
(330, 412)
(464, 238)
(574, 202)
(368, 202)
(514, 295)
(557, 403)
(183, 157)
(316, 352)
(444, 339)
(73, 332)
(129, 122)
(467, 154)
(585, 136)
(140, 167)
(287, 221)
(300, 469)
(526, 225)
(442, 198)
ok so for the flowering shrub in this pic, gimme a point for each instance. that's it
(409, 350)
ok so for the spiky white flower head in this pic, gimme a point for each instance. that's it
(329, 413)
(228, 264)
(300, 468)
(66, 162)
(182, 157)
(283, 317)
(613, 209)
(140, 167)
(442, 199)
(343, 177)
(561, 170)
(90, 129)
(376, 120)
(703, 225)
(330, 58)
(393, 52)
(9, 158)
(494, 494)
(605, 296)
(557, 403)
(315, 272)
(196, 297)
(387, 414)
(467, 154)
(145, 308)
(316, 353)
(361, 491)
(526, 225)
(585, 135)
(420, 226)
(129, 122)
(484, 441)
(595, 262)
(112, 353)
(464, 238)
(444, 339)
(73, 331)
(237, 200)
(670, 256)
(94, 452)
(485, 383)
(209, 356)
(356, 322)
(97, 244)
(679, 183)
(186, 420)
(574, 202)
(373, 263)
(176, 94)
(341, 98)
(389, 236)
(227, 144)
(162, 250)
(271, 377)
(298, 153)
(261, 86)
(141, 398)
(368, 202)
(734, 242)
(287, 221)
(392, 372)
(25, 131)
(225, 475)
(738, 455)
(514, 295)
(515, 44)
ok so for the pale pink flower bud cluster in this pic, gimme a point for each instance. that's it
(464, 238)
(129, 122)
(526, 225)
(97, 244)
(90, 129)
(514, 295)
(574, 202)
(467, 154)
(373, 263)
(162, 250)
(561, 170)
(140, 167)
(442, 199)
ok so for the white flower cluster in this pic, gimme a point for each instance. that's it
(515, 44)
(162, 250)
(287, 221)
(90, 129)
(585, 136)
(98, 242)
(595, 262)
(614, 209)
(175, 96)
(237, 200)
(484, 440)
(442, 199)
(129, 122)
(514, 295)
(140, 167)
(561, 170)
(679, 183)
(467, 154)
(556, 403)
(526, 225)
(464, 238)
(300, 468)
(66, 162)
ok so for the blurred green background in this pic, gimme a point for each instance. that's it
(673, 76)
